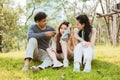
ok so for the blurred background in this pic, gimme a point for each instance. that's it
(17, 15)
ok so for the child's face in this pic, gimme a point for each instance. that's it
(62, 29)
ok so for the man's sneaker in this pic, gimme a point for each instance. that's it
(34, 68)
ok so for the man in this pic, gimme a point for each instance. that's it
(39, 36)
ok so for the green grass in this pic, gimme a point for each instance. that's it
(106, 66)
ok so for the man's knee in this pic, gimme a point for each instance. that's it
(33, 40)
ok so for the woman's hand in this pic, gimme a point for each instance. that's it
(70, 25)
(86, 44)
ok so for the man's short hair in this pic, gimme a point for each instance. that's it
(39, 16)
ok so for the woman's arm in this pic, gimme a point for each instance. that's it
(77, 36)
(92, 40)
(65, 36)
(93, 37)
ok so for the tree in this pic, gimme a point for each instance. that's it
(10, 25)
(112, 20)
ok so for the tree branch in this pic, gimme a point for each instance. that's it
(103, 15)
(31, 13)
(116, 10)
(94, 11)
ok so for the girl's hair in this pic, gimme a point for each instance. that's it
(58, 45)
(83, 19)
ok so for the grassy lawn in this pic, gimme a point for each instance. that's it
(106, 66)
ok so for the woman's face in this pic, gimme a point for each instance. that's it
(79, 25)
(62, 29)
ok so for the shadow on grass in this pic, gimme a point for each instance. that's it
(101, 70)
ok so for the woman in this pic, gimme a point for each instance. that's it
(62, 46)
(85, 36)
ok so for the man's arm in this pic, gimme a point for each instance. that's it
(31, 33)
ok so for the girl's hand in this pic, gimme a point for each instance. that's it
(70, 25)
(86, 44)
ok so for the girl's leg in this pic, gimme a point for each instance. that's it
(52, 55)
(87, 59)
(70, 52)
(77, 57)
(65, 52)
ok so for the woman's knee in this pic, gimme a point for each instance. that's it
(78, 48)
(79, 45)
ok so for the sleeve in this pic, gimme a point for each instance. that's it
(31, 34)
(66, 34)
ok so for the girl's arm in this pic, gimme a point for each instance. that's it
(93, 37)
(53, 45)
(66, 33)
(77, 36)
(92, 40)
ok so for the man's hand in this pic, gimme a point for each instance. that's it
(50, 33)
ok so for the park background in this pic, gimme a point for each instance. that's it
(17, 15)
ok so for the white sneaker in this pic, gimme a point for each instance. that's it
(57, 64)
(87, 68)
(34, 68)
(66, 63)
(76, 67)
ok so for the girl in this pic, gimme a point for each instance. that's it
(62, 46)
(85, 36)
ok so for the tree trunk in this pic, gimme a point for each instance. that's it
(99, 32)
(94, 11)
(118, 31)
(107, 23)
(114, 29)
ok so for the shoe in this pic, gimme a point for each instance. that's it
(57, 64)
(87, 67)
(66, 63)
(25, 68)
(85, 70)
(34, 68)
(76, 67)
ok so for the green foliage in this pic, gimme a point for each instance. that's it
(14, 35)
(106, 66)
(11, 29)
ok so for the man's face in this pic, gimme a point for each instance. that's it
(42, 23)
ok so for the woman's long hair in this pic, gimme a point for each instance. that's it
(83, 19)
(58, 36)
